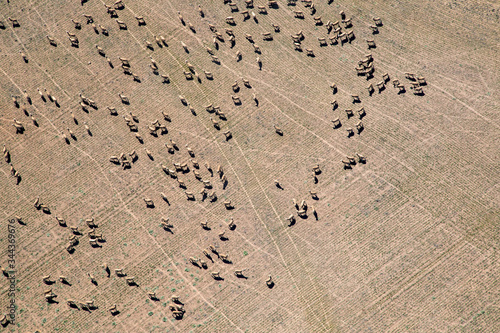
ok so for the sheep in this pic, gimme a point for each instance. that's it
(314, 195)
(119, 4)
(249, 3)
(140, 20)
(35, 122)
(124, 98)
(255, 99)
(51, 40)
(230, 20)
(296, 38)
(256, 48)
(349, 113)
(222, 236)
(215, 123)
(386, 77)
(350, 35)
(239, 273)
(246, 83)
(15, 22)
(165, 224)
(414, 85)
(228, 204)
(233, 6)
(130, 280)
(310, 52)
(177, 167)
(106, 268)
(361, 158)
(95, 28)
(317, 20)
(189, 195)
(149, 202)
(347, 22)
(149, 45)
(163, 40)
(19, 126)
(104, 31)
(46, 279)
(297, 47)
(205, 226)
(368, 71)
(355, 99)
(374, 29)
(61, 221)
(380, 86)
(311, 7)
(184, 46)
(322, 41)
(194, 261)
(3, 320)
(37, 200)
(303, 205)
(343, 37)
(215, 275)
(290, 219)
(418, 91)
(266, 36)
(215, 59)
(278, 130)
(51, 98)
(371, 43)
(71, 303)
(228, 134)
(269, 281)
(377, 21)
(421, 80)
(213, 249)
(298, 14)
(113, 310)
(347, 164)
(359, 126)
(291, 2)
(334, 87)
(236, 99)
(15, 101)
(181, 183)
(350, 132)
(361, 112)
(90, 222)
(77, 24)
(334, 104)
(401, 89)
(121, 25)
(302, 213)
(225, 258)
(307, 3)
(370, 89)
(262, 10)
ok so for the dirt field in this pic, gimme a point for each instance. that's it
(406, 242)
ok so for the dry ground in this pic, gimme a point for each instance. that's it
(407, 242)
